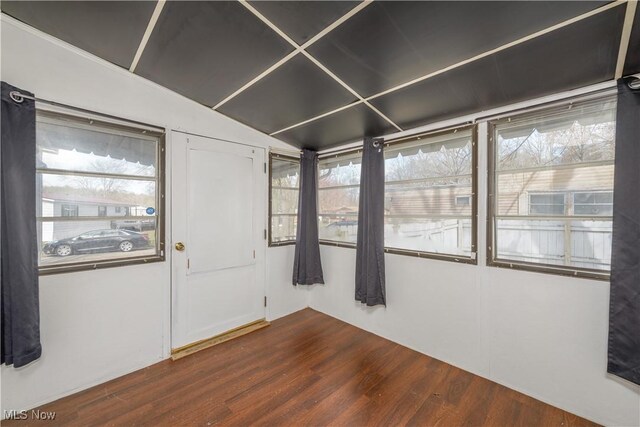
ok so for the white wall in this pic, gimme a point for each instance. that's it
(100, 325)
(540, 334)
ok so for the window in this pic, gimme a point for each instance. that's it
(338, 191)
(93, 178)
(429, 207)
(68, 210)
(463, 200)
(283, 202)
(593, 203)
(546, 204)
(429, 180)
(551, 187)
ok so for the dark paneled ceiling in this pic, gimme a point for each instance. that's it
(109, 29)
(348, 125)
(588, 50)
(294, 92)
(224, 55)
(389, 43)
(207, 50)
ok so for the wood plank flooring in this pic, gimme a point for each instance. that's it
(305, 369)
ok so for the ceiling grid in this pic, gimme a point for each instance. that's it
(323, 73)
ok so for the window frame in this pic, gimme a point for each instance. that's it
(293, 159)
(89, 118)
(473, 259)
(491, 254)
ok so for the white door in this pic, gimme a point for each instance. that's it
(218, 215)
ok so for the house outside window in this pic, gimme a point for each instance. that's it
(68, 210)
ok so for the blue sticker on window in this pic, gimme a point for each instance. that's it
(151, 211)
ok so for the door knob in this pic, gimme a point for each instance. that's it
(180, 246)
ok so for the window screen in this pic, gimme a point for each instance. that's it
(338, 190)
(429, 183)
(551, 177)
(284, 191)
(94, 179)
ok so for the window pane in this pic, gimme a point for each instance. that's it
(570, 135)
(338, 195)
(285, 176)
(337, 201)
(64, 242)
(428, 206)
(69, 195)
(442, 236)
(593, 204)
(339, 228)
(557, 162)
(284, 173)
(283, 228)
(88, 211)
(338, 172)
(71, 145)
(543, 241)
(284, 200)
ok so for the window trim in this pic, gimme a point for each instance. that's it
(491, 258)
(473, 259)
(270, 242)
(91, 119)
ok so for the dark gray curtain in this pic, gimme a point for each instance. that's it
(624, 304)
(19, 248)
(370, 275)
(307, 268)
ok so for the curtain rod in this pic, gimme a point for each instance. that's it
(19, 97)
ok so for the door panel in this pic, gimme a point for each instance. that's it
(227, 182)
(218, 213)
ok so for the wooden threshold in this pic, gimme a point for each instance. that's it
(186, 350)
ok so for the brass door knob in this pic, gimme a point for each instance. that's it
(180, 246)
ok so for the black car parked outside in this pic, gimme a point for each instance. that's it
(97, 241)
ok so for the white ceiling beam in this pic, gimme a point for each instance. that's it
(624, 39)
(147, 33)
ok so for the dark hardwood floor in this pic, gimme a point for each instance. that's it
(305, 369)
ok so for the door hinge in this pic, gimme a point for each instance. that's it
(265, 234)
(265, 167)
(254, 254)
(265, 301)
(188, 263)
